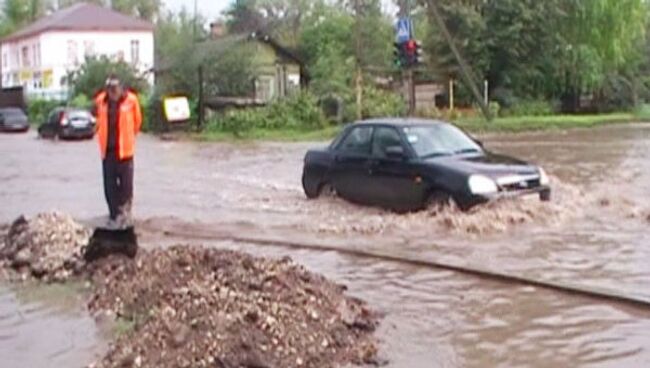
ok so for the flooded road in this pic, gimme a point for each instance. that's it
(46, 326)
(594, 233)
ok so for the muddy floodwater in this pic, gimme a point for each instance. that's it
(46, 326)
(595, 233)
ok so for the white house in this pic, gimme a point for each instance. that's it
(40, 56)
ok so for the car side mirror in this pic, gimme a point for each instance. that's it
(395, 152)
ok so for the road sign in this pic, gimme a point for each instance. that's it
(404, 30)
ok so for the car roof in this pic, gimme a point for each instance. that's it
(399, 121)
(11, 109)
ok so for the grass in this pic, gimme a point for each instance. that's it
(285, 135)
(513, 124)
(517, 124)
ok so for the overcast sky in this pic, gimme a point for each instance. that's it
(211, 9)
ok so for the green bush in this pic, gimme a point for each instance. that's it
(530, 108)
(429, 113)
(379, 103)
(300, 112)
(82, 102)
(643, 112)
(376, 103)
(495, 108)
(148, 117)
(38, 109)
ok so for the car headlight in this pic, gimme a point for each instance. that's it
(543, 178)
(481, 184)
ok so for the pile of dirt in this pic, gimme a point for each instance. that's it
(47, 246)
(196, 307)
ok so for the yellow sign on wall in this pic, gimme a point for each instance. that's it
(48, 76)
(25, 75)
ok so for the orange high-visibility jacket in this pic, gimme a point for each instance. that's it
(129, 122)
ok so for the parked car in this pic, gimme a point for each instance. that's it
(68, 123)
(13, 119)
(410, 164)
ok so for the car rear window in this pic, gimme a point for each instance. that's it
(79, 114)
(12, 112)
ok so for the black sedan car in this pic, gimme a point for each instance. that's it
(411, 164)
(68, 123)
(13, 119)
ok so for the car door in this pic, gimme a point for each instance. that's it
(349, 172)
(394, 181)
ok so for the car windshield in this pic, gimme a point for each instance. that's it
(439, 140)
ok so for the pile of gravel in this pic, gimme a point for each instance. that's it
(196, 307)
(48, 246)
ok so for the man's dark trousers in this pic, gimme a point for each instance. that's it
(118, 184)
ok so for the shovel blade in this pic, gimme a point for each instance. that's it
(105, 242)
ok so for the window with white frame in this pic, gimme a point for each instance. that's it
(35, 54)
(15, 58)
(73, 59)
(135, 51)
(24, 53)
(89, 48)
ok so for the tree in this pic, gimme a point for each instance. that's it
(541, 50)
(326, 46)
(243, 16)
(174, 52)
(144, 9)
(91, 76)
(18, 13)
(597, 37)
(227, 64)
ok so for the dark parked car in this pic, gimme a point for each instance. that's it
(410, 164)
(13, 119)
(68, 123)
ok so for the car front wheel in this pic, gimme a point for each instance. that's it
(438, 200)
(545, 195)
(312, 190)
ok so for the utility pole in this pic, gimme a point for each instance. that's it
(466, 72)
(200, 106)
(196, 12)
(410, 81)
(411, 90)
(359, 76)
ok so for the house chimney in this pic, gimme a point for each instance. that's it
(217, 29)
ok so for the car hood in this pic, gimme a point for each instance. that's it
(487, 163)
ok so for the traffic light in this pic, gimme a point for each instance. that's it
(407, 54)
(398, 55)
(418, 53)
(413, 50)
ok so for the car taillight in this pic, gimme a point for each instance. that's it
(63, 119)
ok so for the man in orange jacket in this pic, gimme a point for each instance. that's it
(119, 119)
